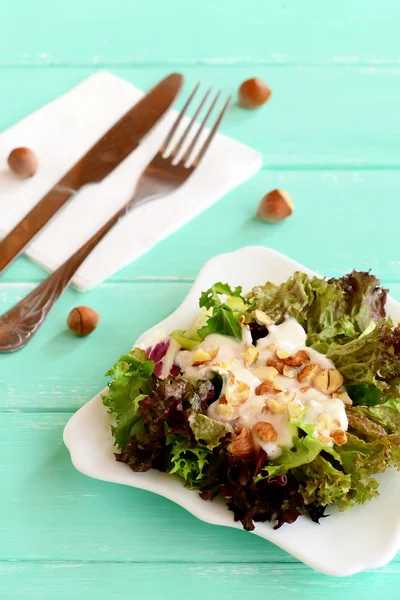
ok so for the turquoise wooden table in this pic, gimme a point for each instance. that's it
(330, 135)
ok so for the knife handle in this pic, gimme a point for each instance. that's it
(14, 243)
(20, 323)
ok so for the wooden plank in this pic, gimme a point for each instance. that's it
(317, 116)
(65, 580)
(342, 220)
(224, 32)
(52, 512)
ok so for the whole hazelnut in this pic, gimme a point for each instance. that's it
(23, 162)
(253, 93)
(275, 206)
(83, 320)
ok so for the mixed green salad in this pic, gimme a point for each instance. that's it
(284, 400)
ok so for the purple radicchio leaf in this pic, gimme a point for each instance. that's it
(157, 353)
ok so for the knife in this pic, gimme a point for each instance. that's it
(97, 163)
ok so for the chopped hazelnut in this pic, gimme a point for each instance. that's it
(274, 406)
(242, 446)
(265, 373)
(240, 395)
(328, 381)
(295, 360)
(289, 372)
(277, 364)
(262, 318)
(265, 431)
(339, 437)
(200, 357)
(264, 388)
(250, 355)
(307, 373)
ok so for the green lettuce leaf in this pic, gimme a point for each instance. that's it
(123, 430)
(360, 458)
(294, 297)
(207, 431)
(188, 462)
(386, 415)
(132, 381)
(225, 314)
(304, 451)
(211, 297)
(323, 483)
(367, 394)
(334, 310)
(371, 359)
(224, 322)
(375, 432)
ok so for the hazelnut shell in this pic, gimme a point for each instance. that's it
(23, 163)
(253, 93)
(82, 320)
(275, 206)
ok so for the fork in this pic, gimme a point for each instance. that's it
(163, 175)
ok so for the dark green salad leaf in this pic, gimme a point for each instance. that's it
(162, 423)
(225, 314)
(211, 297)
(223, 321)
(364, 393)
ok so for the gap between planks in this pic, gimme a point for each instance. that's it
(222, 62)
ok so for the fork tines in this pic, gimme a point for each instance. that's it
(184, 139)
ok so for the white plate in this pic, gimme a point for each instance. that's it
(362, 538)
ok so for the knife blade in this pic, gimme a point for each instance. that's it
(108, 152)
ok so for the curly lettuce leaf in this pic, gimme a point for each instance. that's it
(369, 450)
(294, 297)
(371, 359)
(364, 298)
(132, 380)
(365, 424)
(386, 416)
(323, 484)
(330, 311)
(132, 375)
(189, 462)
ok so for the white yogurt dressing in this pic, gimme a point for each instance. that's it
(230, 364)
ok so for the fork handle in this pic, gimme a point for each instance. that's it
(20, 323)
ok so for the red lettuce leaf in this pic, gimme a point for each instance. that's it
(275, 499)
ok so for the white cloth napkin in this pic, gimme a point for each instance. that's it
(60, 133)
